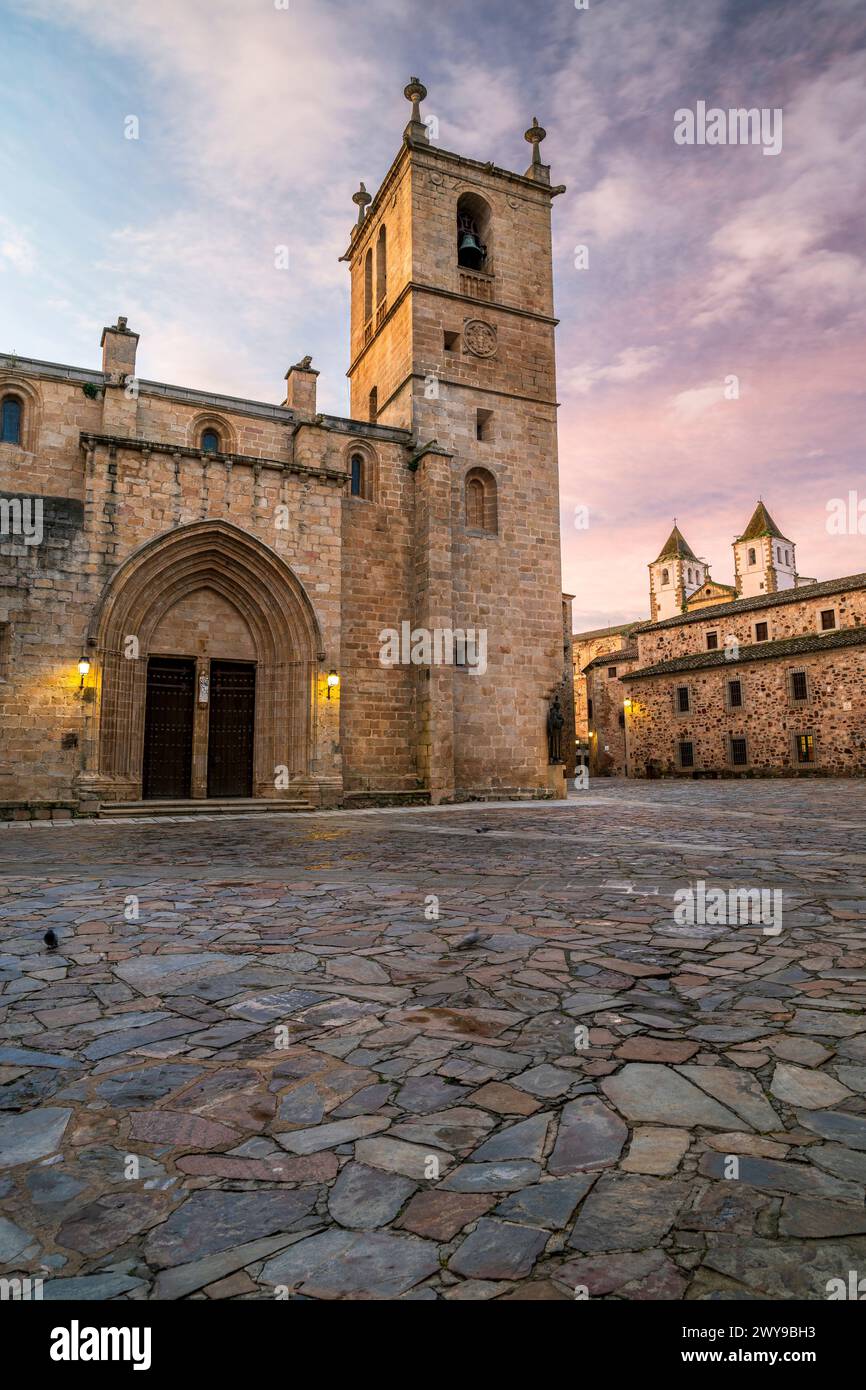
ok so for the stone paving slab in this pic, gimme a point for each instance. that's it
(382, 1055)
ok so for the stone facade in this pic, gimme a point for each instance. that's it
(771, 685)
(606, 693)
(190, 526)
(597, 734)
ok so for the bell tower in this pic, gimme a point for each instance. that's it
(452, 337)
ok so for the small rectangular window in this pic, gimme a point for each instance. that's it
(712, 641)
(762, 632)
(451, 341)
(739, 752)
(735, 694)
(589, 708)
(687, 754)
(483, 427)
(799, 686)
(828, 619)
(683, 699)
(804, 748)
(611, 672)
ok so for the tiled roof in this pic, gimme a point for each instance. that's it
(606, 631)
(748, 605)
(762, 524)
(613, 658)
(761, 651)
(676, 546)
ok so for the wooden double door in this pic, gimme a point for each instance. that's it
(173, 689)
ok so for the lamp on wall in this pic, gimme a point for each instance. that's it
(333, 682)
(83, 670)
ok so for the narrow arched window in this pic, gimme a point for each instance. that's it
(10, 433)
(357, 468)
(752, 558)
(475, 503)
(480, 501)
(368, 285)
(373, 405)
(210, 442)
(666, 578)
(381, 266)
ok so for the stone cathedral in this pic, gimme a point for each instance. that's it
(194, 587)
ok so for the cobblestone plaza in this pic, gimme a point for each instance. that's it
(467, 1052)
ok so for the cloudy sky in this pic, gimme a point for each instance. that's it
(257, 118)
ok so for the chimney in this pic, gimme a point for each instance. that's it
(301, 388)
(118, 345)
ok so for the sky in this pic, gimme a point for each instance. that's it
(712, 339)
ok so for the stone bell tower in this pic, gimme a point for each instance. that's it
(452, 337)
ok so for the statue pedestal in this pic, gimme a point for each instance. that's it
(556, 780)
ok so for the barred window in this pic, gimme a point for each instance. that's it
(739, 752)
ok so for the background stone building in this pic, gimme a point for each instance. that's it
(598, 695)
(200, 615)
(769, 683)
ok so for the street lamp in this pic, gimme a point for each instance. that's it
(333, 682)
(83, 670)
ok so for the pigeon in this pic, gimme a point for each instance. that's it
(469, 941)
(50, 939)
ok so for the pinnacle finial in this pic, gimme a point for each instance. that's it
(534, 135)
(415, 92)
(361, 199)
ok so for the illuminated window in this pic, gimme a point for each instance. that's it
(804, 748)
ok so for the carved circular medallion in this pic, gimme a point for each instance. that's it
(479, 338)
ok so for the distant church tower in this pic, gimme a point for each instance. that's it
(674, 576)
(764, 560)
(452, 338)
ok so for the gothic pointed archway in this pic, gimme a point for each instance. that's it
(281, 633)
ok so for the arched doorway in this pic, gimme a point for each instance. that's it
(206, 648)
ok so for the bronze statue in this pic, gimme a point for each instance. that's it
(555, 722)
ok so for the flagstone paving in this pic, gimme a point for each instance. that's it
(444, 1053)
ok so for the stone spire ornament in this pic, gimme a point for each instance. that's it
(361, 199)
(534, 135)
(416, 130)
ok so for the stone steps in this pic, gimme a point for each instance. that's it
(217, 806)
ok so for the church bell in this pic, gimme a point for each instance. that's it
(471, 252)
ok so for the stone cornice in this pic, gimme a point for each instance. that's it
(88, 440)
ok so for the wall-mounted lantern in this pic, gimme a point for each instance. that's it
(83, 670)
(333, 682)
